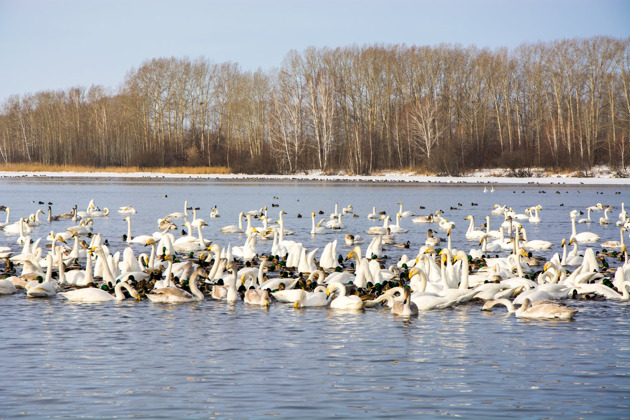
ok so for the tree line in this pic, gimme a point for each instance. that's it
(445, 109)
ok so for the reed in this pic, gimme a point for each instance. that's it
(38, 167)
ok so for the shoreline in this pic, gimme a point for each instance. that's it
(315, 176)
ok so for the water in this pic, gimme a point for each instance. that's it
(211, 359)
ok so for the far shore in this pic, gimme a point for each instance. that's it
(488, 177)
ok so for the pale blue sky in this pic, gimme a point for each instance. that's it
(57, 44)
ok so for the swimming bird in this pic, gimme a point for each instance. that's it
(95, 295)
(541, 310)
(174, 294)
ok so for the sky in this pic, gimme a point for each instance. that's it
(59, 44)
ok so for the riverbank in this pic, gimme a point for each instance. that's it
(597, 176)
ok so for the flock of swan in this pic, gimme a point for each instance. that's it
(77, 262)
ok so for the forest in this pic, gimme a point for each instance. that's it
(445, 109)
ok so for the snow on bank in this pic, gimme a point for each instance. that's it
(600, 176)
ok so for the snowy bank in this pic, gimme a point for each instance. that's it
(600, 176)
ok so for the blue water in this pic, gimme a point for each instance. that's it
(210, 359)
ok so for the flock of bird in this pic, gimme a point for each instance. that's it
(78, 263)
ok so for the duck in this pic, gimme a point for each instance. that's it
(541, 310)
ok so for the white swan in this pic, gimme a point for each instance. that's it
(343, 301)
(605, 220)
(45, 289)
(535, 218)
(404, 213)
(582, 237)
(235, 228)
(372, 216)
(542, 310)
(316, 229)
(126, 210)
(473, 233)
(535, 244)
(379, 230)
(616, 244)
(173, 294)
(315, 299)
(396, 228)
(7, 287)
(95, 295)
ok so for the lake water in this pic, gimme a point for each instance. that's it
(210, 359)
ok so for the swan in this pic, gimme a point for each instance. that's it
(126, 210)
(379, 230)
(423, 219)
(497, 209)
(318, 298)
(535, 218)
(404, 213)
(179, 214)
(605, 220)
(235, 228)
(432, 240)
(46, 288)
(99, 213)
(7, 287)
(616, 244)
(335, 223)
(316, 229)
(473, 233)
(33, 219)
(396, 228)
(572, 258)
(372, 216)
(535, 244)
(623, 216)
(214, 212)
(95, 295)
(173, 294)
(407, 307)
(257, 297)
(227, 292)
(541, 310)
(141, 239)
(588, 215)
(351, 240)
(582, 237)
(6, 222)
(343, 301)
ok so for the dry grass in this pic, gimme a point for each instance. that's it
(38, 167)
